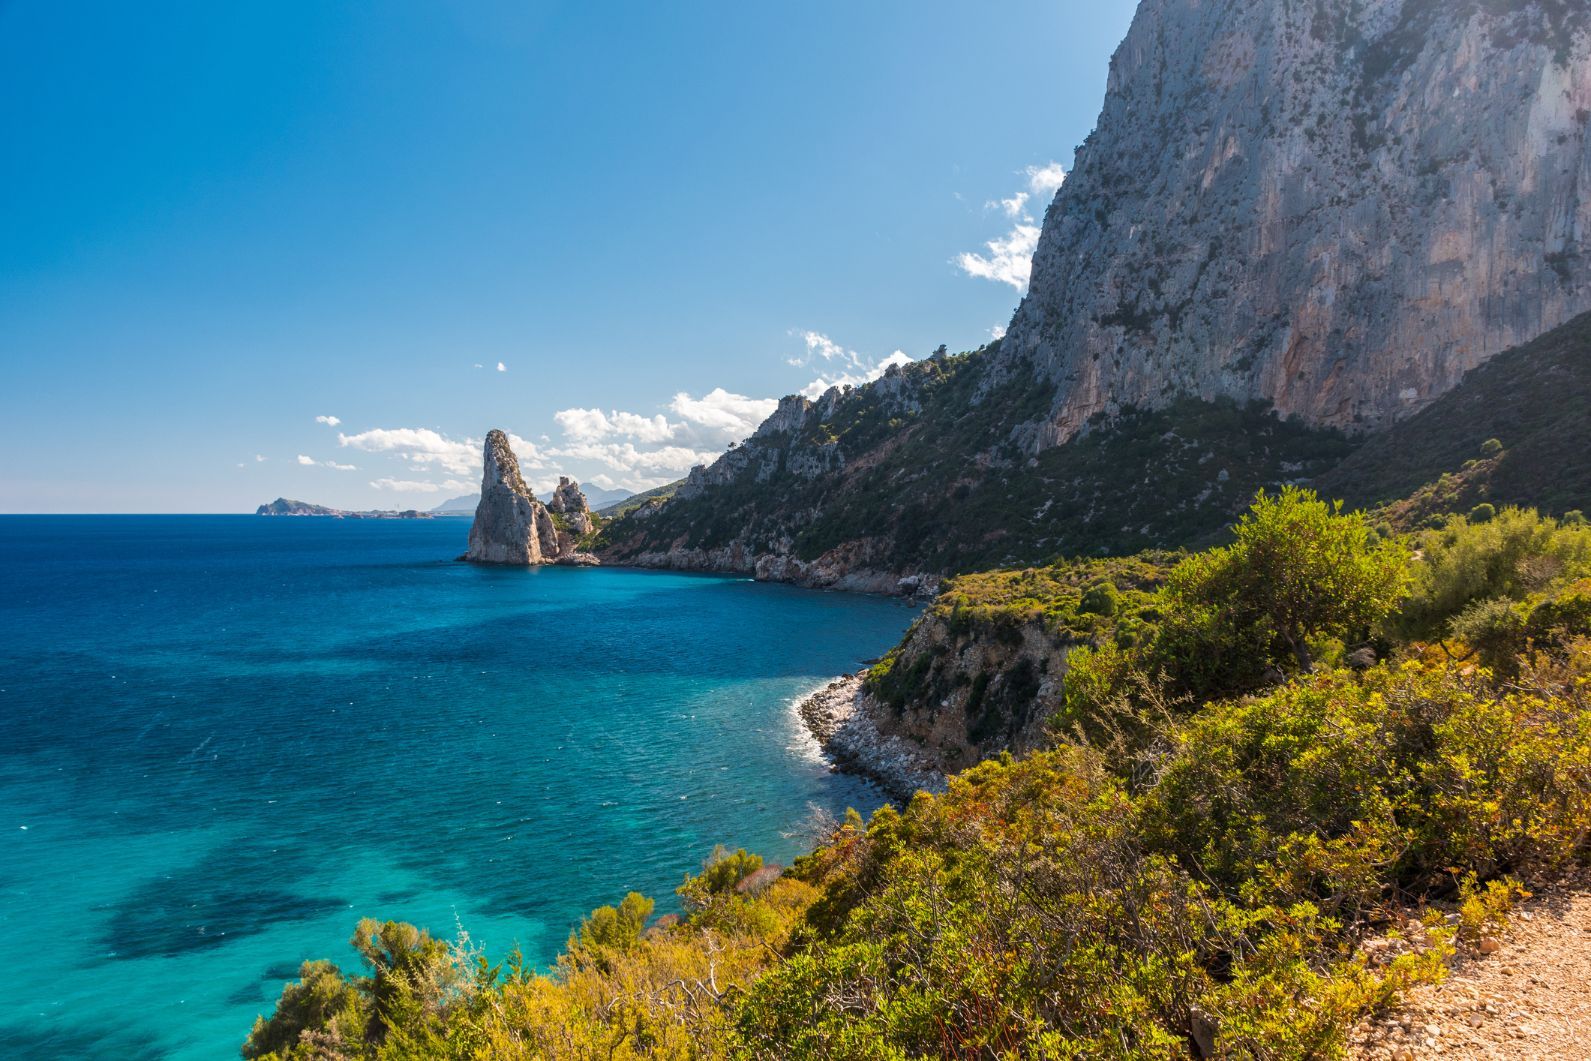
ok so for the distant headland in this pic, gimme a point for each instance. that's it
(285, 507)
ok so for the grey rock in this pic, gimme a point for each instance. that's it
(1335, 209)
(511, 526)
(568, 501)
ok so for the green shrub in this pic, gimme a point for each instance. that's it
(1228, 620)
(322, 1002)
(610, 930)
(1491, 447)
(1101, 599)
(723, 871)
(1335, 789)
(1512, 556)
(1483, 513)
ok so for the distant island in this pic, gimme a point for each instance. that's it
(285, 507)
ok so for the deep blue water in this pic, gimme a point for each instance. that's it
(224, 739)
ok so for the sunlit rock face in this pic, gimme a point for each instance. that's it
(569, 501)
(1335, 208)
(511, 526)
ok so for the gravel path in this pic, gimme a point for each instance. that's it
(1529, 998)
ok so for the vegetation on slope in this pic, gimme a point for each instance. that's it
(1534, 400)
(936, 478)
(1188, 875)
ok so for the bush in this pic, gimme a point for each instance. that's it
(1512, 556)
(719, 876)
(610, 930)
(1101, 599)
(323, 1003)
(1300, 569)
(1336, 789)
(1491, 447)
(1483, 513)
(1230, 620)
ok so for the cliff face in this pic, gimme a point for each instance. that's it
(511, 526)
(984, 668)
(1326, 210)
(1334, 208)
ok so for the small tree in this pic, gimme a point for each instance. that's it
(611, 930)
(1300, 568)
(724, 869)
(412, 975)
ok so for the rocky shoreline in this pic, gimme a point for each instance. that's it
(841, 716)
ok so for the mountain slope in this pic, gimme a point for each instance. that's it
(1331, 211)
(911, 476)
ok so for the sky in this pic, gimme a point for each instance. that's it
(317, 249)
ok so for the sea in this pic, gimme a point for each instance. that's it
(226, 739)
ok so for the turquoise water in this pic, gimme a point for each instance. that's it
(225, 739)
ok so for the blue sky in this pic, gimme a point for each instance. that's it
(225, 221)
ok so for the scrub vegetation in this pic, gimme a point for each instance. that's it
(1269, 752)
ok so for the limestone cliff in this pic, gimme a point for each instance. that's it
(1335, 208)
(511, 526)
(1296, 225)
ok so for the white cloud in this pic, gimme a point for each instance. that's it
(997, 332)
(329, 421)
(423, 447)
(311, 462)
(479, 365)
(637, 451)
(1010, 257)
(502, 367)
(1013, 206)
(854, 369)
(590, 425)
(414, 486)
(1044, 181)
(261, 458)
(627, 457)
(719, 410)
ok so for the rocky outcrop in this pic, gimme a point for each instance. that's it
(569, 502)
(511, 526)
(1335, 209)
(844, 719)
(968, 690)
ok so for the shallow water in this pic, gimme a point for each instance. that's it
(225, 739)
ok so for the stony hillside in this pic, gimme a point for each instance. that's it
(1296, 226)
(913, 478)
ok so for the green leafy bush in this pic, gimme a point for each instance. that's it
(1510, 557)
